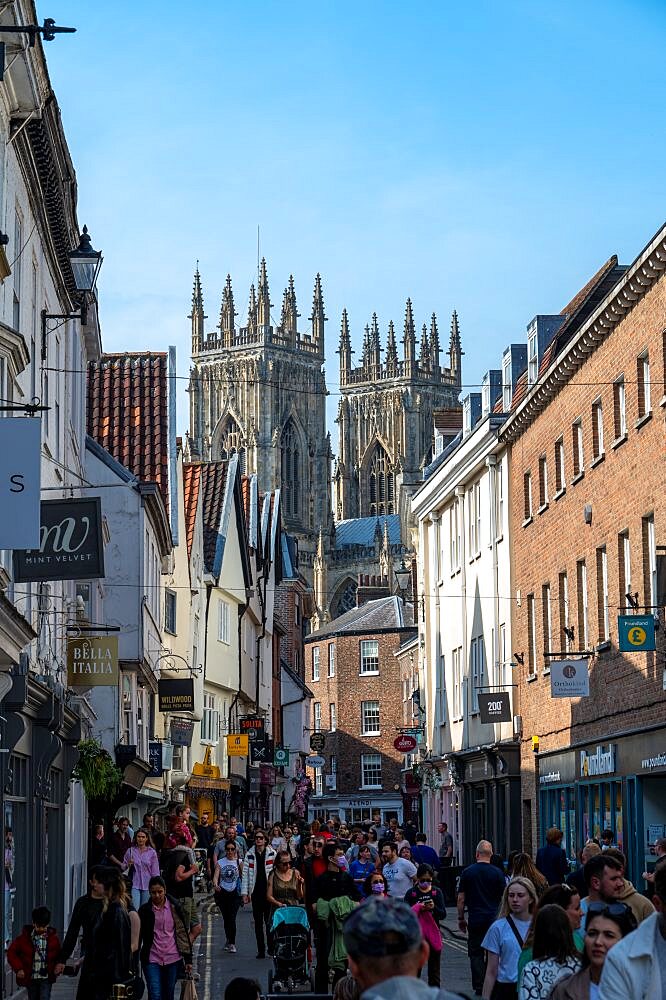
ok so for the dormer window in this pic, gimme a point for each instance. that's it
(507, 388)
(532, 356)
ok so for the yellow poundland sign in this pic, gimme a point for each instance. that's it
(238, 745)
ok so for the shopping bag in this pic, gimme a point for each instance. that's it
(188, 990)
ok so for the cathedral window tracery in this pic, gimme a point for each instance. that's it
(291, 470)
(231, 442)
(381, 483)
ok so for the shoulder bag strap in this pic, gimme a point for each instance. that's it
(515, 930)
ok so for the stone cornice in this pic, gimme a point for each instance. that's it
(646, 270)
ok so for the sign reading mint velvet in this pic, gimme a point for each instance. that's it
(599, 761)
(70, 543)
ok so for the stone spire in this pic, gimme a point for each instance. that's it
(252, 312)
(344, 350)
(320, 581)
(455, 350)
(424, 358)
(375, 347)
(227, 314)
(391, 352)
(197, 315)
(264, 305)
(366, 346)
(435, 349)
(290, 314)
(409, 338)
(318, 318)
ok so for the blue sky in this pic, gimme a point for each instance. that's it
(485, 158)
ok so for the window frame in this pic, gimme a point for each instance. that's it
(578, 449)
(224, 621)
(316, 716)
(364, 657)
(365, 763)
(619, 408)
(331, 659)
(528, 506)
(598, 449)
(531, 637)
(366, 715)
(560, 468)
(644, 385)
(315, 663)
(170, 611)
(547, 624)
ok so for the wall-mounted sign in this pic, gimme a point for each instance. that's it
(314, 760)
(238, 745)
(175, 694)
(20, 464)
(317, 742)
(181, 732)
(494, 707)
(253, 726)
(70, 543)
(281, 757)
(569, 679)
(404, 743)
(92, 661)
(636, 633)
(155, 760)
(266, 774)
(261, 753)
(599, 761)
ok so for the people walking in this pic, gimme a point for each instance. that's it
(554, 954)
(120, 843)
(524, 866)
(566, 897)
(362, 866)
(551, 860)
(33, 955)
(446, 846)
(285, 884)
(166, 943)
(258, 864)
(428, 904)
(398, 872)
(111, 952)
(226, 890)
(179, 868)
(423, 854)
(142, 864)
(605, 928)
(334, 884)
(505, 938)
(640, 905)
(635, 967)
(480, 893)
(85, 916)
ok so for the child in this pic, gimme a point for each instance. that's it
(242, 989)
(33, 955)
(428, 904)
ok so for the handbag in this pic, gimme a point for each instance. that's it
(188, 990)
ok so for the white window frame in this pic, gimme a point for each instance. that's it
(652, 560)
(319, 781)
(645, 404)
(532, 637)
(477, 664)
(499, 500)
(584, 613)
(333, 716)
(368, 657)
(598, 428)
(128, 708)
(605, 610)
(315, 663)
(331, 659)
(625, 555)
(456, 670)
(371, 762)
(547, 617)
(563, 583)
(620, 407)
(543, 481)
(142, 722)
(532, 356)
(368, 715)
(506, 385)
(560, 474)
(579, 451)
(528, 506)
(223, 621)
(316, 716)
(210, 720)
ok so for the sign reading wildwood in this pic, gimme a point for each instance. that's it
(92, 661)
(175, 695)
(71, 546)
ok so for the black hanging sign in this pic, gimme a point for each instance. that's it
(155, 759)
(181, 732)
(71, 546)
(494, 707)
(261, 753)
(175, 695)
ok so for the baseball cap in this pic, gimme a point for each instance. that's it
(380, 927)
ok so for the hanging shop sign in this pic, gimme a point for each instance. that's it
(261, 753)
(569, 679)
(317, 742)
(254, 727)
(20, 464)
(405, 743)
(92, 661)
(238, 745)
(494, 707)
(175, 694)
(314, 761)
(181, 732)
(155, 760)
(601, 760)
(70, 543)
(281, 757)
(267, 775)
(636, 633)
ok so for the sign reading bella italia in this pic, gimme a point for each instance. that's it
(92, 661)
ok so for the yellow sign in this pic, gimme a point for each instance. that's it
(206, 769)
(92, 661)
(238, 744)
(637, 636)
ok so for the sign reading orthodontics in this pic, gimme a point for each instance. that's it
(71, 546)
(569, 679)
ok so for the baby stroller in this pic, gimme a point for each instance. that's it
(291, 952)
(201, 878)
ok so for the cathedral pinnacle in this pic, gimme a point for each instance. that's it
(391, 351)
(197, 315)
(290, 314)
(264, 304)
(455, 350)
(227, 314)
(345, 351)
(424, 359)
(252, 311)
(434, 343)
(318, 318)
(409, 339)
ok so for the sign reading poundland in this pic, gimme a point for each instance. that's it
(602, 761)
(175, 695)
(70, 546)
(92, 661)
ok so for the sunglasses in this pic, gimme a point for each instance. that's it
(318, 844)
(230, 848)
(599, 909)
(259, 838)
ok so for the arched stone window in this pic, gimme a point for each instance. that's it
(290, 467)
(346, 599)
(231, 442)
(381, 483)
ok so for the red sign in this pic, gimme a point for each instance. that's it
(405, 743)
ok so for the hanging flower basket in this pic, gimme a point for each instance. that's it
(97, 771)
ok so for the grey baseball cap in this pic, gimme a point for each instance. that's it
(381, 926)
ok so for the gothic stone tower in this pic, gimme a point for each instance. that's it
(385, 416)
(259, 390)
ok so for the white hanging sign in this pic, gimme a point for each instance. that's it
(20, 460)
(569, 679)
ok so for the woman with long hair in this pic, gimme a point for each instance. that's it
(277, 839)
(112, 939)
(568, 898)
(524, 866)
(166, 945)
(554, 954)
(375, 885)
(604, 927)
(142, 864)
(428, 905)
(285, 884)
(505, 938)
(226, 890)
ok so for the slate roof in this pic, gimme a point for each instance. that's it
(387, 614)
(191, 486)
(213, 482)
(361, 530)
(127, 413)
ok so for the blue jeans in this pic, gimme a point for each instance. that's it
(139, 897)
(161, 980)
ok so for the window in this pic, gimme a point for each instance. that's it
(317, 717)
(370, 718)
(577, 441)
(543, 482)
(16, 268)
(332, 714)
(619, 408)
(499, 500)
(603, 616)
(297, 609)
(370, 656)
(477, 514)
(210, 722)
(332, 778)
(454, 528)
(560, 478)
(477, 657)
(381, 483)
(371, 770)
(315, 663)
(503, 677)
(650, 562)
(128, 712)
(456, 667)
(532, 357)
(583, 617)
(624, 567)
(531, 636)
(474, 519)
(597, 429)
(506, 385)
(170, 611)
(231, 442)
(527, 495)
(644, 404)
(547, 622)
(84, 602)
(331, 660)
(319, 781)
(223, 622)
(142, 722)
(290, 464)
(563, 588)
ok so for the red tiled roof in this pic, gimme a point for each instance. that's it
(128, 413)
(580, 297)
(191, 485)
(213, 482)
(520, 391)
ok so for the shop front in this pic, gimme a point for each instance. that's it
(352, 809)
(488, 795)
(616, 783)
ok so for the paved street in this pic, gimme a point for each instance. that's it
(216, 967)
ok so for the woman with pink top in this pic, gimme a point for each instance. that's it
(166, 942)
(142, 864)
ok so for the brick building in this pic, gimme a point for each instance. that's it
(354, 675)
(588, 526)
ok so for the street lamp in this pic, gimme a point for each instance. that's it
(402, 576)
(85, 263)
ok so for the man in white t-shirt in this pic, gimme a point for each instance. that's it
(398, 872)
